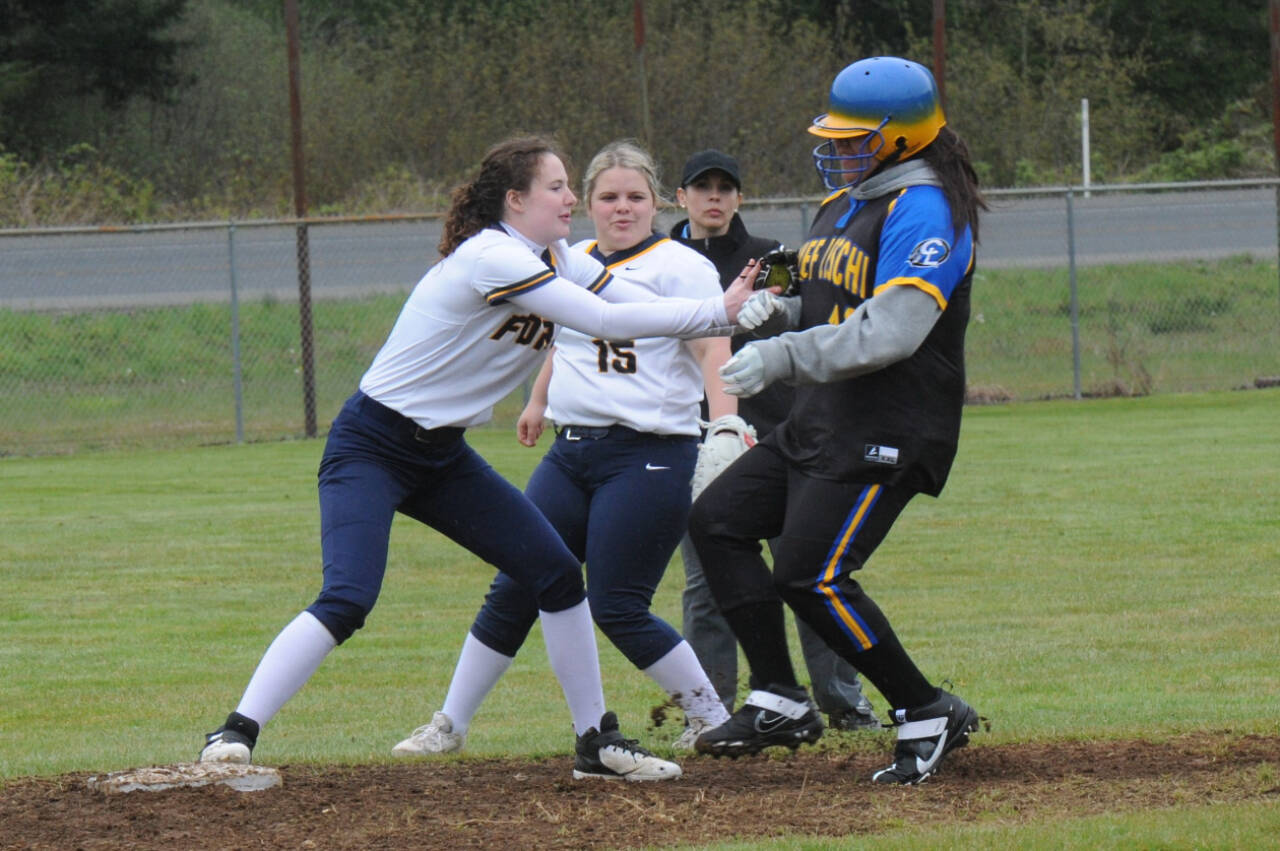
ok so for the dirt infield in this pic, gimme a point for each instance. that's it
(520, 804)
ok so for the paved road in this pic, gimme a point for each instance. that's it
(182, 266)
(1109, 228)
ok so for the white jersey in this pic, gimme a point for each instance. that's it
(650, 384)
(459, 346)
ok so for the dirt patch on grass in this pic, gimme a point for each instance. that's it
(512, 804)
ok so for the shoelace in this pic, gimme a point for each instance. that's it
(632, 745)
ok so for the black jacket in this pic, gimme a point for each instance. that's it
(729, 253)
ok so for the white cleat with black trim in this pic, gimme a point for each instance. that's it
(604, 754)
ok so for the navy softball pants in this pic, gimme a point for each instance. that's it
(377, 462)
(620, 500)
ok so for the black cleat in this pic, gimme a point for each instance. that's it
(926, 734)
(860, 717)
(232, 742)
(604, 754)
(780, 716)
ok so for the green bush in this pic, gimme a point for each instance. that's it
(1238, 144)
(79, 186)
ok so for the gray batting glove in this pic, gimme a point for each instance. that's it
(758, 309)
(743, 373)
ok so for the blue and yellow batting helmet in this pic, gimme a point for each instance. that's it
(891, 104)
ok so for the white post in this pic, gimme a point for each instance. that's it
(1084, 141)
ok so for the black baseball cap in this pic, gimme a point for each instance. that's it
(710, 160)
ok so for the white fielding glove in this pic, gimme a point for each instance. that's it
(727, 438)
(743, 373)
(758, 309)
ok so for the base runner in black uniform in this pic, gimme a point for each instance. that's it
(877, 355)
(711, 190)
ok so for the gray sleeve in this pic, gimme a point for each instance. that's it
(783, 320)
(884, 329)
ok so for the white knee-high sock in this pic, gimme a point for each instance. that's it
(288, 663)
(682, 677)
(571, 648)
(478, 670)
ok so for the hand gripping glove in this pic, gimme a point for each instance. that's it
(758, 309)
(727, 438)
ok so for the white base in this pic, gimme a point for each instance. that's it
(242, 778)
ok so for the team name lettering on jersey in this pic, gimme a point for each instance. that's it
(837, 261)
(526, 328)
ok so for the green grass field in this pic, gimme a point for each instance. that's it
(163, 377)
(1098, 569)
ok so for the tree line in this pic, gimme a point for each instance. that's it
(144, 110)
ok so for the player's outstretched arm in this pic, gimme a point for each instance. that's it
(883, 330)
(621, 291)
(572, 306)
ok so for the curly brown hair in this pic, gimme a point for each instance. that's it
(479, 203)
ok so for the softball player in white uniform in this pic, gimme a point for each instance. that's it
(615, 482)
(469, 333)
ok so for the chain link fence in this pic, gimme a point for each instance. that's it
(195, 333)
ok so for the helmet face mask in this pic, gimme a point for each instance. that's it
(838, 170)
(893, 104)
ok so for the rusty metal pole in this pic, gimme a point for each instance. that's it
(1275, 77)
(300, 212)
(1275, 107)
(940, 49)
(637, 10)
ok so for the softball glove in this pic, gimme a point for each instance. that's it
(727, 438)
(779, 268)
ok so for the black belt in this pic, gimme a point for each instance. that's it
(380, 413)
(576, 432)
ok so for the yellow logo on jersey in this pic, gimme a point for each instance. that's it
(839, 314)
(526, 328)
(836, 261)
